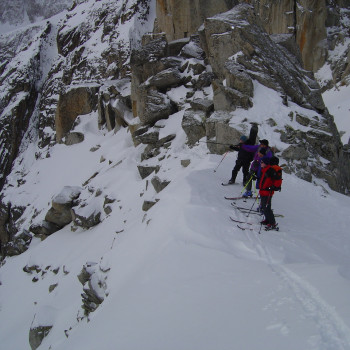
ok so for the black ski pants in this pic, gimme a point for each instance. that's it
(265, 202)
(245, 169)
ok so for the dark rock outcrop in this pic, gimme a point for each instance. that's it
(12, 241)
(19, 75)
(74, 102)
(93, 278)
(37, 335)
(240, 51)
(159, 184)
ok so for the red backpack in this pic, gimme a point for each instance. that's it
(276, 175)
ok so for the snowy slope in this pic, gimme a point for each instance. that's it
(337, 101)
(15, 14)
(182, 275)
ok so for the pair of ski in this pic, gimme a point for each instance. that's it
(236, 198)
(250, 228)
(239, 224)
(250, 211)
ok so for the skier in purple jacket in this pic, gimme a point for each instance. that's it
(260, 151)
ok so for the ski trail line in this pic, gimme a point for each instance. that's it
(334, 333)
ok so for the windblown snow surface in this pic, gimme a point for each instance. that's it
(181, 275)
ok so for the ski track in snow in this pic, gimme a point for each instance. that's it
(333, 332)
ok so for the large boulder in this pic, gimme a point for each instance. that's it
(114, 104)
(145, 171)
(148, 137)
(295, 152)
(73, 138)
(93, 278)
(44, 229)
(228, 99)
(193, 123)
(239, 80)
(19, 244)
(147, 60)
(37, 335)
(41, 325)
(220, 134)
(201, 104)
(153, 74)
(74, 102)
(86, 217)
(154, 106)
(60, 212)
(167, 78)
(159, 184)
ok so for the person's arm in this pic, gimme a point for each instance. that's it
(235, 147)
(269, 154)
(250, 148)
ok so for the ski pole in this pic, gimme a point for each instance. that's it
(257, 193)
(252, 205)
(216, 143)
(245, 186)
(221, 161)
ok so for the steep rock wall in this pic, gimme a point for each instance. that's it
(182, 18)
(311, 33)
(240, 52)
(307, 20)
(19, 73)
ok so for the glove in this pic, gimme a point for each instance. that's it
(254, 177)
(234, 148)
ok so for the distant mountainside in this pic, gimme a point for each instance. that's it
(19, 12)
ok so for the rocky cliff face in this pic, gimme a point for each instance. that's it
(180, 19)
(315, 25)
(18, 92)
(118, 60)
(50, 59)
(239, 53)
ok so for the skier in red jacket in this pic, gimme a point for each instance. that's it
(266, 191)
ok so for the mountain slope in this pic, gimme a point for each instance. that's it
(19, 13)
(181, 275)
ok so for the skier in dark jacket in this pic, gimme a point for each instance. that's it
(258, 152)
(243, 160)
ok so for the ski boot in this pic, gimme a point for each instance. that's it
(247, 194)
(270, 227)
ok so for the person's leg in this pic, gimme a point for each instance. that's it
(235, 170)
(267, 210)
(249, 181)
(245, 169)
